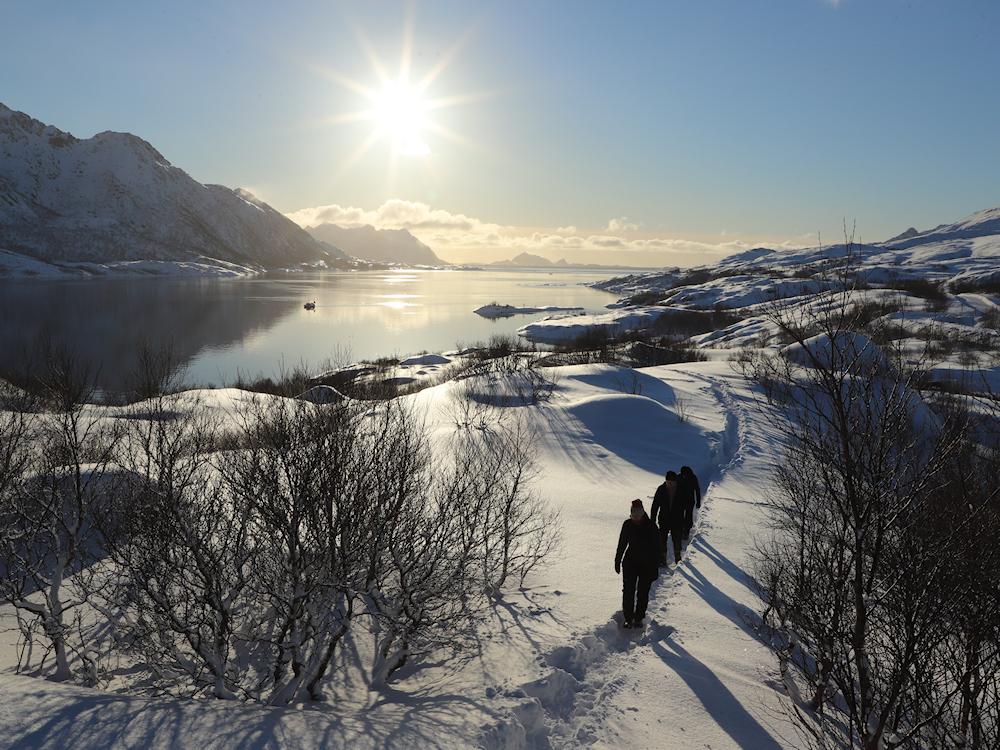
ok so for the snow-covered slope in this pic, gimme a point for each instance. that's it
(971, 244)
(980, 224)
(378, 245)
(114, 197)
(555, 668)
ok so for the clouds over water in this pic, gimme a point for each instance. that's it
(462, 238)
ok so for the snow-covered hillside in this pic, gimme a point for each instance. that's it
(971, 245)
(939, 288)
(114, 197)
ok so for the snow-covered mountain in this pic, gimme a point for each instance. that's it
(377, 245)
(967, 249)
(114, 197)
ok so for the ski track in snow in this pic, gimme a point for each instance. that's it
(569, 704)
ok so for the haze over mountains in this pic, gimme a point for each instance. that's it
(531, 260)
(114, 197)
(377, 245)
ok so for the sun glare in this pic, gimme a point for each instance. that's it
(399, 107)
(400, 115)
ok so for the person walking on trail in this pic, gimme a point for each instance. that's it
(636, 559)
(668, 512)
(689, 492)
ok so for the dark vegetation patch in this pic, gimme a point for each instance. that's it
(685, 323)
(644, 348)
(991, 318)
(932, 291)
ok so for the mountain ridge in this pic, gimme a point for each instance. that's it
(114, 197)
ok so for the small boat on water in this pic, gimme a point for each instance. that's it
(310, 305)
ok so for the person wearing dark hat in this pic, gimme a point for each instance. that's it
(668, 512)
(636, 559)
(689, 492)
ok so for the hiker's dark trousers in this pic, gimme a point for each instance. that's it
(677, 532)
(635, 591)
(688, 518)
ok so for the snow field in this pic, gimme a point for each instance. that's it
(555, 669)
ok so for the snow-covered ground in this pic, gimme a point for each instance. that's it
(555, 668)
(18, 266)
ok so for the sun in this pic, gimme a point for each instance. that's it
(399, 105)
(399, 111)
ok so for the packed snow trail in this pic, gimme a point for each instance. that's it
(696, 675)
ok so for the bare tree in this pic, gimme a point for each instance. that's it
(51, 492)
(298, 472)
(181, 548)
(859, 574)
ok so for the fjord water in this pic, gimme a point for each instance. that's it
(220, 328)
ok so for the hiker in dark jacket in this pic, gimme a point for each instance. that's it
(689, 492)
(668, 512)
(636, 559)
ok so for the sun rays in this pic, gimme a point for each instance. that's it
(400, 105)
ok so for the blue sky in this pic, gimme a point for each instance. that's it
(710, 125)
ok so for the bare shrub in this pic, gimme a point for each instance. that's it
(597, 344)
(663, 352)
(180, 546)
(516, 532)
(685, 323)
(514, 379)
(242, 572)
(933, 291)
(871, 557)
(980, 286)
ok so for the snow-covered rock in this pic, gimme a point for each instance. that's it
(425, 359)
(743, 291)
(322, 394)
(494, 310)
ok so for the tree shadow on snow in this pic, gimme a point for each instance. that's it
(721, 704)
(736, 612)
(75, 720)
(725, 564)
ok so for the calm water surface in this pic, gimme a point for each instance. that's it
(223, 327)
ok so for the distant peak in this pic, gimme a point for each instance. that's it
(911, 232)
(131, 141)
(19, 121)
